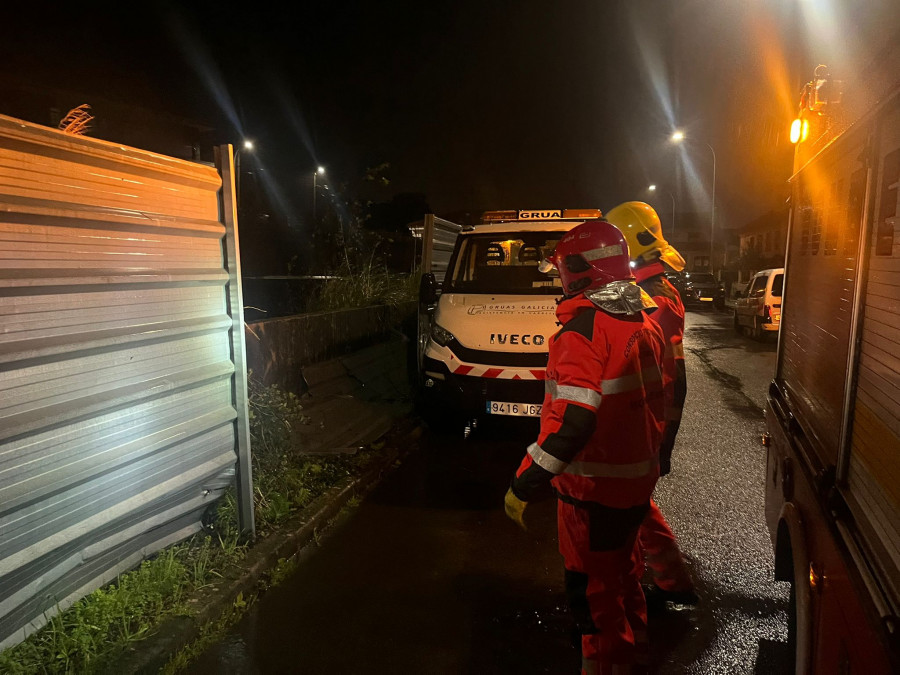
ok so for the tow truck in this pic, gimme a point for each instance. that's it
(489, 322)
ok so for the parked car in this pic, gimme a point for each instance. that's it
(677, 280)
(702, 288)
(759, 309)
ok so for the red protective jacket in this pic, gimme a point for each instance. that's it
(604, 409)
(670, 317)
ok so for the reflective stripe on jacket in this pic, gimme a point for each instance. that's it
(604, 409)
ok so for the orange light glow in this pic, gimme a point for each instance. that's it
(815, 578)
(775, 56)
(582, 213)
(799, 130)
(495, 216)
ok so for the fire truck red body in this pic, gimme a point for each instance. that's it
(833, 413)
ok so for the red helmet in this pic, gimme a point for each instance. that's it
(590, 256)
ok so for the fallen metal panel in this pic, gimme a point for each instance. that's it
(122, 391)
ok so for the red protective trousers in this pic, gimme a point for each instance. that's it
(660, 550)
(599, 547)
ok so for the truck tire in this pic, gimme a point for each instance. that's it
(792, 628)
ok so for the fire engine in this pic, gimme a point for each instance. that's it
(833, 412)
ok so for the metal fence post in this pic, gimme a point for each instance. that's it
(427, 242)
(235, 299)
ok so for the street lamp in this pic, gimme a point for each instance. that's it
(248, 145)
(677, 137)
(318, 172)
(652, 188)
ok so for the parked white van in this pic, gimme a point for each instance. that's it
(759, 309)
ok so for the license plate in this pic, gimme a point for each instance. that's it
(514, 409)
(706, 299)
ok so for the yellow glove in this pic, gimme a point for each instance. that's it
(515, 508)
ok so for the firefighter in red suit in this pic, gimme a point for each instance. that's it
(642, 229)
(601, 427)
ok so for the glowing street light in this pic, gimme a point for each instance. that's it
(248, 145)
(677, 137)
(652, 188)
(318, 172)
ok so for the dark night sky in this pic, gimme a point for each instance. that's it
(475, 104)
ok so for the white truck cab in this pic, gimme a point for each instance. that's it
(491, 324)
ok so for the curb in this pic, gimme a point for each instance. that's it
(150, 655)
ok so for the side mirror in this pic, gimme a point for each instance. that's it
(739, 294)
(428, 290)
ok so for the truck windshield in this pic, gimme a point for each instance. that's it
(505, 264)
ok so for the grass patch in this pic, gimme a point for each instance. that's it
(88, 636)
(210, 633)
(364, 285)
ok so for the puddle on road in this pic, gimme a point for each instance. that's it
(733, 394)
(722, 337)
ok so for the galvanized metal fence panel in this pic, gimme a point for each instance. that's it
(438, 238)
(122, 412)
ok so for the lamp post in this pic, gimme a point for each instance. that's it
(248, 145)
(318, 172)
(652, 188)
(677, 137)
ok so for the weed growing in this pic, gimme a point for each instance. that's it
(366, 284)
(88, 636)
(210, 633)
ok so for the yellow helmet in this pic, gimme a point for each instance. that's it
(643, 232)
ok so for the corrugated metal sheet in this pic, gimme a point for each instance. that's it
(445, 235)
(438, 238)
(873, 475)
(118, 396)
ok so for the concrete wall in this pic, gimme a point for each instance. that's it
(279, 349)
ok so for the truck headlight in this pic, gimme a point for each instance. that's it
(441, 335)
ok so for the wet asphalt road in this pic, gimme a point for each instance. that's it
(428, 576)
